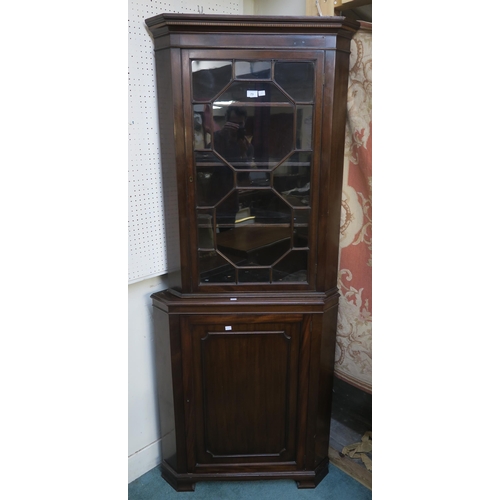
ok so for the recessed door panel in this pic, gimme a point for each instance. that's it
(245, 391)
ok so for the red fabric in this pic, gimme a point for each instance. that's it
(353, 354)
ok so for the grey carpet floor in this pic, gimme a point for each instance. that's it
(335, 486)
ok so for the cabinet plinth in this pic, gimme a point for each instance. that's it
(252, 120)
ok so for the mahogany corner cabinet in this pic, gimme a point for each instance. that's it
(252, 114)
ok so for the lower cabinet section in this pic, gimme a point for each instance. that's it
(242, 394)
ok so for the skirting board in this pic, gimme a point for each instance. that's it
(143, 461)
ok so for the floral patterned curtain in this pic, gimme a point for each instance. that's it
(353, 356)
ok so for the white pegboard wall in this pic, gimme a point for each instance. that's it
(147, 225)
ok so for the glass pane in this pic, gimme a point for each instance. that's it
(250, 245)
(304, 127)
(227, 209)
(255, 275)
(260, 206)
(214, 179)
(272, 134)
(202, 123)
(300, 237)
(209, 78)
(205, 229)
(253, 179)
(292, 179)
(296, 78)
(268, 207)
(215, 269)
(292, 268)
(252, 91)
(247, 201)
(233, 141)
(301, 217)
(244, 216)
(253, 69)
(260, 135)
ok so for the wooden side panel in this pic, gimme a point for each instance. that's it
(171, 122)
(165, 388)
(325, 387)
(332, 149)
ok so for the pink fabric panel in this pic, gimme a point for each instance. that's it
(353, 356)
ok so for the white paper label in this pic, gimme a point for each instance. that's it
(228, 328)
(252, 93)
(262, 92)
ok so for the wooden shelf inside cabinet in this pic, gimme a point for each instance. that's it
(252, 117)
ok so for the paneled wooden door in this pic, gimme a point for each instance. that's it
(246, 392)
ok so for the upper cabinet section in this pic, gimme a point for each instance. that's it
(253, 111)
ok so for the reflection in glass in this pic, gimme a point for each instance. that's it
(272, 134)
(249, 70)
(262, 205)
(231, 141)
(214, 179)
(250, 245)
(304, 127)
(205, 229)
(209, 78)
(259, 135)
(292, 179)
(296, 78)
(202, 126)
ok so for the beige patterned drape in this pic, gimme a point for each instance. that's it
(353, 356)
